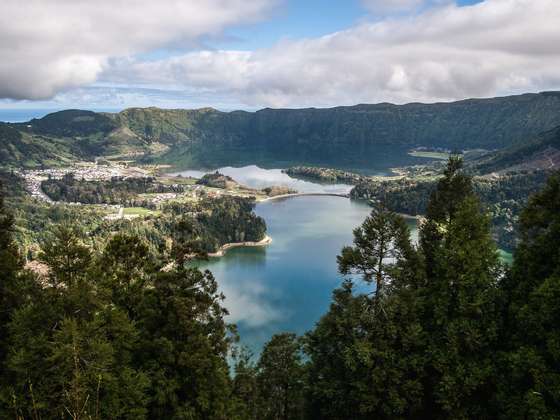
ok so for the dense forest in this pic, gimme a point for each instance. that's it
(124, 332)
(209, 222)
(355, 136)
(117, 190)
(504, 198)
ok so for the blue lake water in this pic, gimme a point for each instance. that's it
(256, 177)
(287, 285)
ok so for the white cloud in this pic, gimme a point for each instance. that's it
(47, 46)
(444, 53)
(247, 303)
(390, 6)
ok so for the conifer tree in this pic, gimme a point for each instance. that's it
(444, 201)
(530, 385)
(382, 239)
(125, 268)
(184, 344)
(337, 373)
(244, 395)
(73, 348)
(281, 378)
(460, 312)
(363, 353)
(10, 265)
(11, 293)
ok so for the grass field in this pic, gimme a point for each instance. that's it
(138, 211)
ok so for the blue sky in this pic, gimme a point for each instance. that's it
(248, 54)
(309, 18)
(295, 19)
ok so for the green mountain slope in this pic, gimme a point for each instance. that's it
(24, 149)
(356, 135)
(540, 152)
(63, 137)
(346, 135)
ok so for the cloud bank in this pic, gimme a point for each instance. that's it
(446, 53)
(439, 53)
(392, 6)
(47, 46)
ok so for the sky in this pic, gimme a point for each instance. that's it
(251, 54)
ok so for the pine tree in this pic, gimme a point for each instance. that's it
(10, 265)
(281, 379)
(337, 374)
(381, 239)
(71, 348)
(460, 314)
(124, 269)
(11, 292)
(244, 395)
(184, 344)
(444, 201)
(531, 381)
(364, 353)
(66, 255)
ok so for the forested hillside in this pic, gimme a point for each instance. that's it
(356, 135)
(437, 330)
(346, 135)
(539, 152)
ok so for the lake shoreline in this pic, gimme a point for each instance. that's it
(301, 194)
(267, 240)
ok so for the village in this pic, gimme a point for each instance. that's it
(94, 171)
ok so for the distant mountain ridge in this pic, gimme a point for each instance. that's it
(335, 136)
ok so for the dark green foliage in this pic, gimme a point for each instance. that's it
(217, 180)
(10, 266)
(382, 238)
(337, 349)
(355, 135)
(245, 390)
(184, 346)
(462, 315)
(12, 185)
(281, 379)
(205, 226)
(71, 350)
(449, 194)
(118, 190)
(504, 198)
(10, 141)
(22, 149)
(531, 380)
(402, 195)
(230, 219)
(72, 123)
(366, 354)
(125, 332)
(66, 255)
(541, 147)
(425, 346)
(323, 174)
(110, 335)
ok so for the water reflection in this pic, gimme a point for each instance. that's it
(287, 286)
(256, 177)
